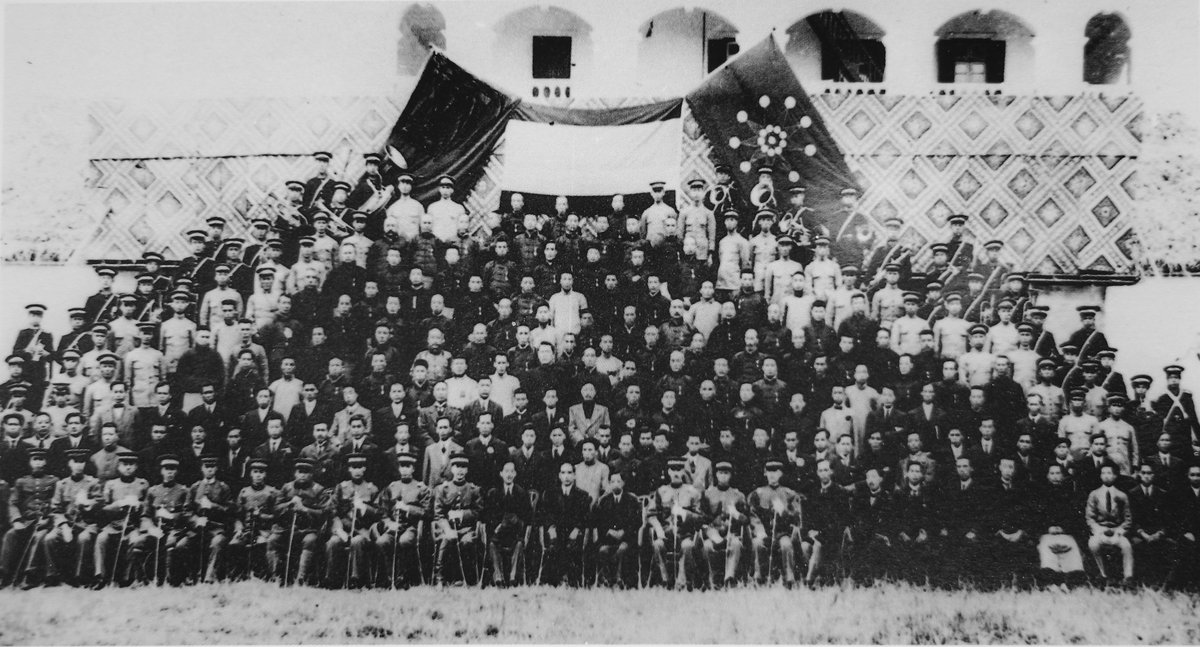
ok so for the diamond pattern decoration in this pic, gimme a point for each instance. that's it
(1080, 182)
(938, 213)
(1084, 125)
(917, 125)
(998, 155)
(1022, 184)
(1021, 241)
(861, 124)
(1029, 125)
(967, 185)
(1019, 164)
(1077, 240)
(883, 210)
(994, 214)
(973, 125)
(912, 184)
(1106, 212)
(1050, 213)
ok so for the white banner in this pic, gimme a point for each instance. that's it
(557, 159)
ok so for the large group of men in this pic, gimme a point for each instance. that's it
(375, 392)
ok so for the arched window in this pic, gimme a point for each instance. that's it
(545, 48)
(677, 47)
(839, 45)
(1106, 54)
(422, 26)
(978, 47)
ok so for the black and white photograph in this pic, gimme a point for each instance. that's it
(600, 321)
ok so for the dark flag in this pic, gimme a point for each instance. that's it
(754, 112)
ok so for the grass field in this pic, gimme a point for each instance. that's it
(260, 613)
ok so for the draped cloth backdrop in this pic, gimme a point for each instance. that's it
(454, 121)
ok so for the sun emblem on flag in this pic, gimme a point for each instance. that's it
(781, 130)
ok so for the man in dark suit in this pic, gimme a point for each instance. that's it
(1186, 510)
(1037, 425)
(359, 444)
(551, 415)
(870, 531)
(515, 422)
(553, 457)
(528, 460)
(231, 469)
(304, 414)
(887, 418)
(278, 454)
(14, 454)
(507, 513)
(75, 439)
(1031, 468)
(1153, 551)
(1087, 468)
(927, 419)
(961, 522)
(385, 418)
(191, 454)
(1170, 471)
(162, 413)
(428, 417)
(214, 416)
(254, 421)
(487, 453)
(565, 514)
(618, 518)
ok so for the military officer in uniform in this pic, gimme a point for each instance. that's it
(457, 505)
(165, 522)
(890, 252)
(76, 507)
(354, 503)
(1087, 339)
(724, 508)
(37, 346)
(102, 306)
(676, 518)
(123, 499)
(319, 187)
(300, 515)
(256, 510)
(407, 502)
(775, 515)
(210, 508)
(30, 512)
(198, 267)
(960, 252)
(214, 243)
(1178, 412)
(445, 212)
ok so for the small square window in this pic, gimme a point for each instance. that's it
(551, 57)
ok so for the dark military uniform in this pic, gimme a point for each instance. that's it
(355, 509)
(407, 504)
(123, 500)
(166, 520)
(304, 523)
(727, 514)
(256, 511)
(210, 523)
(76, 508)
(30, 512)
(456, 509)
(775, 514)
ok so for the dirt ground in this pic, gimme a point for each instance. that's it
(261, 613)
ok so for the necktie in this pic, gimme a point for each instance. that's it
(1108, 501)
